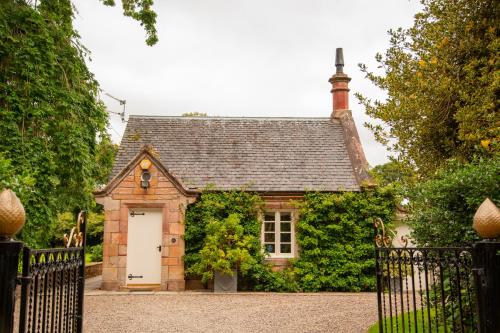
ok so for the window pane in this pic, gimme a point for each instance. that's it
(268, 237)
(286, 248)
(269, 217)
(269, 248)
(286, 226)
(286, 237)
(286, 216)
(269, 226)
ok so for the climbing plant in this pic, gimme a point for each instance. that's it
(334, 234)
(218, 206)
(51, 118)
(335, 237)
(54, 147)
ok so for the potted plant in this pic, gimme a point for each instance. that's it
(224, 253)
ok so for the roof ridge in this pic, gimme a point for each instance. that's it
(227, 117)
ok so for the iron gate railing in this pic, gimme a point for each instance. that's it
(425, 290)
(52, 297)
(53, 282)
(449, 289)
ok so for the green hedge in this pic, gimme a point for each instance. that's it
(443, 207)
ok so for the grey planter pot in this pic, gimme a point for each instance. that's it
(224, 283)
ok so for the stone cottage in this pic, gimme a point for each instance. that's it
(164, 162)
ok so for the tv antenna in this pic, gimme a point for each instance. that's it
(122, 102)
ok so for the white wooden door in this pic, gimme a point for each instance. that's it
(144, 246)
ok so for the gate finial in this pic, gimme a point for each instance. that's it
(12, 215)
(487, 220)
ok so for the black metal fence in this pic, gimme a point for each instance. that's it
(425, 290)
(52, 292)
(452, 289)
(53, 282)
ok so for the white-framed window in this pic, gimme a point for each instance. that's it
(278, 234)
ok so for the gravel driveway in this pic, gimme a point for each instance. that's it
(242, 312)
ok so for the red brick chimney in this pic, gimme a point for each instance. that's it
(340, 86)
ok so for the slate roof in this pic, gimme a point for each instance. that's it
(269, 154)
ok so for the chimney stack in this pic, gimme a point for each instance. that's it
(340, 86)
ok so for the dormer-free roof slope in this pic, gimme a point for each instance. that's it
(262, 154)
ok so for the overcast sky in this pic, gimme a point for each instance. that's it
(269, 58)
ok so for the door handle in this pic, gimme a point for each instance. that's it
(159, 248)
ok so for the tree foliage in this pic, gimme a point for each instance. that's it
(141, 11)
(51, 118)
(391, 173)
(442, 208)
(442, 81)
(54, 148)
(105, 156)
(194, 114)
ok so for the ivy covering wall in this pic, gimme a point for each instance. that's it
(247, 206)
(334, 234)
(335, 237)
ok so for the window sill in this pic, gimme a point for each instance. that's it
(280, 256)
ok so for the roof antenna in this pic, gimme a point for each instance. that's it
(339, 61)
(122, 102)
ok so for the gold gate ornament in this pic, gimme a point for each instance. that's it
(487, 220)
(75, 237)
(12, 214)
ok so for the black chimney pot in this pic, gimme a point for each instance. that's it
(339, 60)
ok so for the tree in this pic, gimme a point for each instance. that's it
(52, 123)
(105, 156)
(391, 173)
(194, 114)
(140, 10)
(442, 79)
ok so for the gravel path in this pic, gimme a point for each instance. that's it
(243, 312)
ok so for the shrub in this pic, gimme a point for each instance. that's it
(66, 221)
(96, 253)
(225, 248)
(263, 278)
(442, 208)
(219, 206)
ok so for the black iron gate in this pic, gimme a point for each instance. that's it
(452, 289)
(53, 285)
(425, 290)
